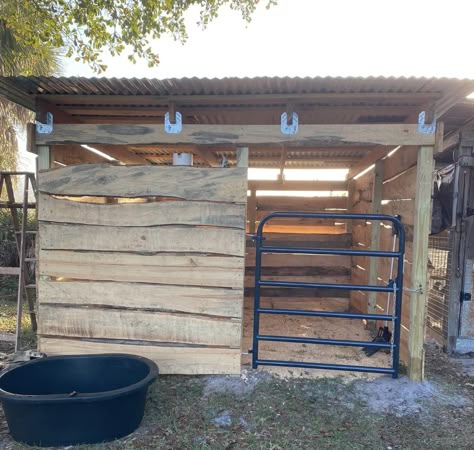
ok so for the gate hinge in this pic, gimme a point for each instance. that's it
(465, 297)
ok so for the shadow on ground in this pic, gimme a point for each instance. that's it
(259, 411)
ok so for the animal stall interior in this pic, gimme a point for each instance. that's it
(295, 180)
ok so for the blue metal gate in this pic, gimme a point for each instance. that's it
(394, 286)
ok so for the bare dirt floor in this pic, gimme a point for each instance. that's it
(268, 409)
(310, 327)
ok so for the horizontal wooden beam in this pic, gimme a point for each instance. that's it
(235, 99)
(388, 134)
(197, 109)
(269, 185)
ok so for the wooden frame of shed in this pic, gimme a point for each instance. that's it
(367, 125)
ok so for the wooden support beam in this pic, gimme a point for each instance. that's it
(350, 203)
(451, 98)
(236, 99)
(377, 190)
(242, 156)
(419, 275)
(44, 157)
(244, 135)
(252, 210)
(282, 163)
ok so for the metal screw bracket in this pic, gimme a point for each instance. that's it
(287, 128)
(173, 128)
(45, 128)
(425, 128)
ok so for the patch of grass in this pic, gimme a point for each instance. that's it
(283, 415)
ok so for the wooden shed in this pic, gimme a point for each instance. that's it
(137, 255)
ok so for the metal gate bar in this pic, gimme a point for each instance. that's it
(395, 286)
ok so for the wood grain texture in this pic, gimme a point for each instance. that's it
(170, 359)
(138, 325)
(418, 300)
(404, 208)
(300, 203)
(225, 241)
(294, 260)
(197, 300)
(187, 183)
(142, 214)
(180, 269)
(385, 134)
(401, 187)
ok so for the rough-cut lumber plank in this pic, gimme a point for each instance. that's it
(225, 241)
(400, 161)
(187, 183)
(298, 222)
(197, 300)
(418, 301)
(308, 303)
(295, 260)
(75, 154)
(250, 280)
(373, 134)
(142, 214)
(298, 293)
(170, 359)
(358, 301)
(341, 240)
(300, 203)
(401, 187)
(187, 270)
(128, 324)
(403, 208)
(308, 271)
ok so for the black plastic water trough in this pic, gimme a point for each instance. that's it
(84, 399)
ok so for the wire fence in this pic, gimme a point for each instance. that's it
(439, 275)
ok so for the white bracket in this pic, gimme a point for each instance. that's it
(426, 128)
(287, 128)
(45, 128)
(173, 128)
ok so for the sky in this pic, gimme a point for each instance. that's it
(317, 38)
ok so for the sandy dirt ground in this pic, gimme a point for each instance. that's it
(316, 327)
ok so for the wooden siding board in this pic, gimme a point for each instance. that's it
(187, 183)
(141, 214)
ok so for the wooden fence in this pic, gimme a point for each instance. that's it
(144, 260)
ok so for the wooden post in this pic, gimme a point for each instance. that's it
(419, 274)
(252, 209)
(242, 156)
(350, 203)
(375, 235)
(44, 157)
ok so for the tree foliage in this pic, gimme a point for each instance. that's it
(85, 28)
(17, 58)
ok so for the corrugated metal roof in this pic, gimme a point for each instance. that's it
(229, 86)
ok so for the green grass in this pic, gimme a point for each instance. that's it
(283, 415)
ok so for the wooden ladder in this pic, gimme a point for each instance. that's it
(20, 232)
